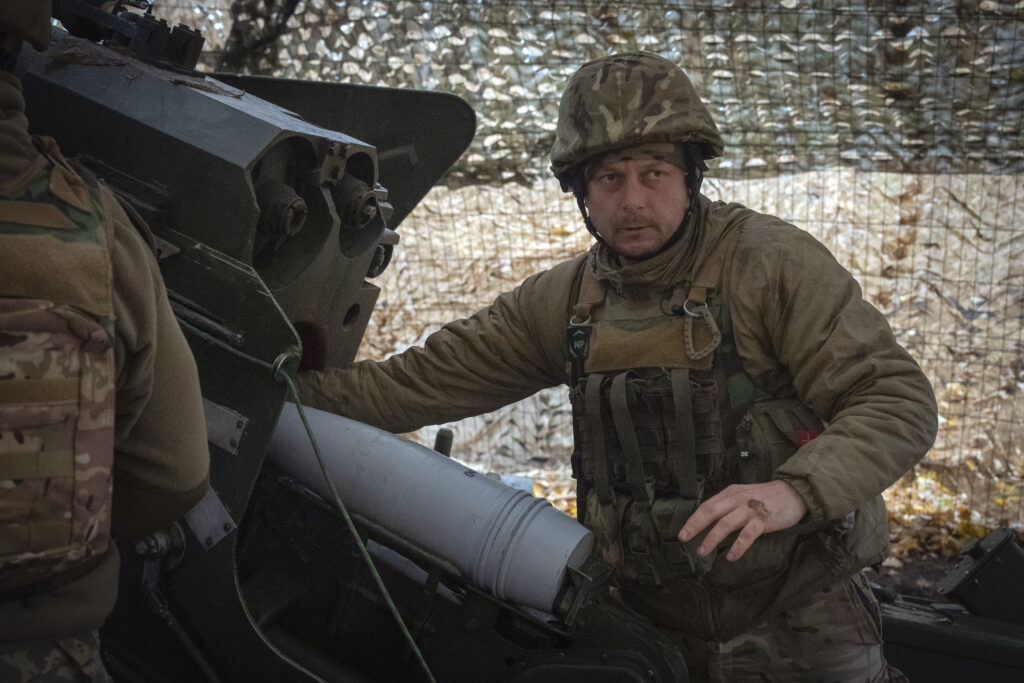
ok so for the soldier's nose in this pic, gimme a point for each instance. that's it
(633, 194)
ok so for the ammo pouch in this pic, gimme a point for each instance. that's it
(769, 434)
(640, 539)
(642, 439)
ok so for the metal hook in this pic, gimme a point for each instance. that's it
(690, 313)
(574, 323)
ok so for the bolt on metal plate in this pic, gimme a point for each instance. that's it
(209, 520)
(224, 427)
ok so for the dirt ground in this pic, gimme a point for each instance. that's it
(918, 574)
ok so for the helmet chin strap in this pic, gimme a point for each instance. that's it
(581, 202)
(694, 179)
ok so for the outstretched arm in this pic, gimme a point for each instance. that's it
(504, 352)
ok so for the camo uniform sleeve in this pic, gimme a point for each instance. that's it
(800, 319)
(161, 458)
(503, 353)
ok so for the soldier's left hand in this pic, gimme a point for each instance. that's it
(753, 509)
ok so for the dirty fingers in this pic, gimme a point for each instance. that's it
(751, 509)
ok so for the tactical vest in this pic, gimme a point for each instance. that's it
(664, 416)
(57, 378)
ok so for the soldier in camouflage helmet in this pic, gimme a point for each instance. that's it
(737, 406)
(96, 384)
(626, 100)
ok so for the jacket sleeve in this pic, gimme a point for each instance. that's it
(809, 327)
(503, 353)
(161, 458)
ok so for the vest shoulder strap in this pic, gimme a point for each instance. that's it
(587, 292)
(709, 277)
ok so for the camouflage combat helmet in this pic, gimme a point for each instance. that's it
(29, 19)
(624, 100)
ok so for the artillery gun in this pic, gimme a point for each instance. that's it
(274, 203)
(268, 227)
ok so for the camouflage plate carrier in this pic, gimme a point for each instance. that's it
(57, 378)
(664, 416)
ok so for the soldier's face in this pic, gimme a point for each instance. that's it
(636, 201)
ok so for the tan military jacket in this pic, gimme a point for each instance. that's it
(161, 456)
(800, 326)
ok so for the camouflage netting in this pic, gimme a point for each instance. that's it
(891, 132)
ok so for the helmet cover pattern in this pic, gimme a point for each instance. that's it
(628, 99)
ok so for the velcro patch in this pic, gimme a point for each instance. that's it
(806, 436)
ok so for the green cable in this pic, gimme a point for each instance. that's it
(294, 394)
